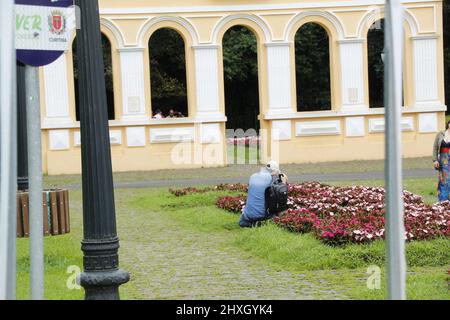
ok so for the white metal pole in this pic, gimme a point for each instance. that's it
(35, 183)
(395, 230)
(8, 152)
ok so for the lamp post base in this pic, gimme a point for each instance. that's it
(103, 285)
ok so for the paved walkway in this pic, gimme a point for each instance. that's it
(168, 261)
(326, 177)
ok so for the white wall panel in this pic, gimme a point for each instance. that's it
(59, 139)
(317, 128)
(352, 82)
(355, 126)
(279, 73)
(56, 93)
(281, 130)
(133, 88)
(428, 122)
(210, 133)
(207, 81)
(163, 135)
(378, 124)
(135, 136)
(425, 70)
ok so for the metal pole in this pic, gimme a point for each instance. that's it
(8, 152)
(35, 181)
(102, 277)
(395, 230)
(22, 145)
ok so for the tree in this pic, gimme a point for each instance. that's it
(312, 68)
(168, 71)
(240, 64)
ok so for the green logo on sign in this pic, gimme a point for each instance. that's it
(28, 23)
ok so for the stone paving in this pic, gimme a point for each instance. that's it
(167, 261)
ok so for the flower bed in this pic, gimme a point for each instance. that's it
(233, 204)
(339, 215)
(221, 187)
(357, 214)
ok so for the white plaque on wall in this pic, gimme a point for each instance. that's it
(59, 139)
(135, 136)
(134, 104)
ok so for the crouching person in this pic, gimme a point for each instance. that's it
(257, 209)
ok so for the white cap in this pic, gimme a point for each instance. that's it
(273, 166)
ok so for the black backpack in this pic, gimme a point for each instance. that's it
(276, 197)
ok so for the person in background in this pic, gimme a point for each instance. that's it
(180, 115)
(441, 159)
(172, 114)
(158, 114)
(255, 208)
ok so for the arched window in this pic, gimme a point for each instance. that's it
(168, 74)
(312, 68)
(240, 68)
(375, 56)
(108, 69)
(375, 50)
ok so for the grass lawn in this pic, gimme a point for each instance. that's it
(60, 253)
(149, 219)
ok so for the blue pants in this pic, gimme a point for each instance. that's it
(245, 222)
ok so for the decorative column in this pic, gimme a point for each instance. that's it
(352, 71)
(279, 78)
(102, 277)
(22, 145)
(56, 93)
(133, 92)
(207, 82)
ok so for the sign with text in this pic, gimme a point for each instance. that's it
(43, 30)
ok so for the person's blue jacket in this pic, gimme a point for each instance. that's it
(255, 209)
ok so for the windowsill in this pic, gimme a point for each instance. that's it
(135, 123)
(366, 111)
(163, 121)
(360, 111)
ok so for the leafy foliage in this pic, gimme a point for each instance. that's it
(168, 71)
(108, 70)
(240, 64)
(239, 54)
(312, 67)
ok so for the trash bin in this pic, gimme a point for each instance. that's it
(55, 205)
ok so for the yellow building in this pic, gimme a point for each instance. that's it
(350, 130)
